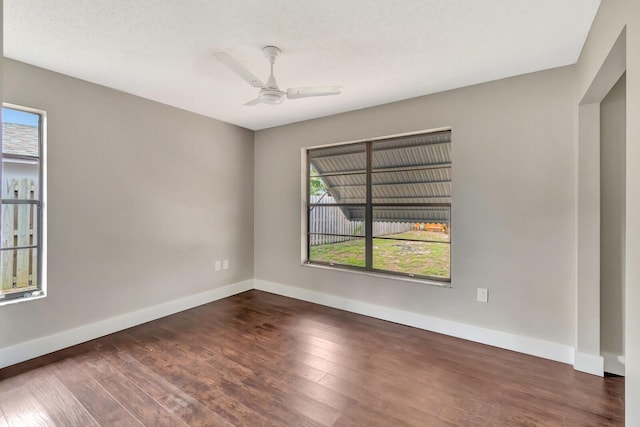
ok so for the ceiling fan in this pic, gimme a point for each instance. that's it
(269, 92)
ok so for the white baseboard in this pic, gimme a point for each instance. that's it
(613, 363)
(533, 346)
(589, 363)
(44, 345)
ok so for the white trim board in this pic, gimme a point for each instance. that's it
(532, 346)
(589, 363)
(613, 363)
(48, 344)
(522, 344)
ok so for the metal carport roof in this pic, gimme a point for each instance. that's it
(412, 169)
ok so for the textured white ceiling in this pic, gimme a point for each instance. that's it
(379, 50)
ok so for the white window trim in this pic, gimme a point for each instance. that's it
(304, 201)
(42, 251)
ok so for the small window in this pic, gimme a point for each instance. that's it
(21, 208)
(382, 206)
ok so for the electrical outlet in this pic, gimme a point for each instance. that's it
(225, 264)
(217, 266)
(483, 294)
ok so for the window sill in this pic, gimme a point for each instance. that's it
(380, 275)
(4, 302)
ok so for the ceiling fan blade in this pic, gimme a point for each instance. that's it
(253, 102)
(306, 92)
(239, 69)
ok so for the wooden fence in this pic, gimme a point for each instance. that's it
(331, 220)
(19, 267)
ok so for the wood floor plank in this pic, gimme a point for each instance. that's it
(184, 406)
(354, 361)
(142, 406)
(204, 386)
(254, 377)
(238, 382)
(21, 408)
(12, 382)
(268, 379)
(410, 409)
(210, 386)
(288, 376)
(321, 364)
(102, 406)
(59, 403)
(226, 372)
(258, 359)
(359, 414)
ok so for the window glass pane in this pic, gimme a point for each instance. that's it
(339, 158)
(421, 231)
(410, 196)
(19, 209)
(411, 193)
(419, 246)
(19, 225)
(413, 186)
(338, 220)
(349, 188)
(347, 252)
(439, 174)
(18, 270)
(20, 179)
(410, 151)
(412, 257)
(20, 132)
(413, 214)
(317, 186)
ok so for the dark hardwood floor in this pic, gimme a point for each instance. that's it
(258, 359)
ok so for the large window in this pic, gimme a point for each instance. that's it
(382, 206)
(21, 208)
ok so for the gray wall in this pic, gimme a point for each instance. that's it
(513, 207)
(142, 199)
(612, 218)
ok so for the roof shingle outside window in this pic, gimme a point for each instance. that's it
(19, 139)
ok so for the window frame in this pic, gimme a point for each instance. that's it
(369, 206)
(40, 203)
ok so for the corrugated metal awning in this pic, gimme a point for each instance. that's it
(409, 170)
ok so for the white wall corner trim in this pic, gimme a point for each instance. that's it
(589, 363)
(47, 344)
(532, 346)
(613, 363)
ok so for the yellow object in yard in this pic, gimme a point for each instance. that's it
(440, 228)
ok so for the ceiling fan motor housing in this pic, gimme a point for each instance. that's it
(271, 52)
(271, 96)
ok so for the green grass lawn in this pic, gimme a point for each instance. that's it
(414, 257)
